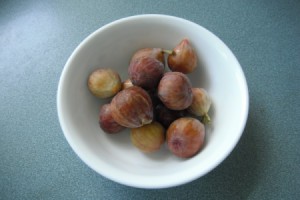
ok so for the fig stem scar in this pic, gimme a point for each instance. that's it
(170, 52)
(206, 119)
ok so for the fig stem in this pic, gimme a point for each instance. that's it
(206, 119)
(170, 52)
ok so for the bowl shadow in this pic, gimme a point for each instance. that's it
(237, 176)
(162, 154)
(240, 172)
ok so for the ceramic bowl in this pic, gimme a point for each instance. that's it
(112, 155)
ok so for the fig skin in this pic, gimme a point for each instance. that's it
(132, 107)
(154, 97)
(201, 104)
(106, 121)
(148, 138)
(183, 58)
(104, 83)
(166, 116)
(156, 53)
(146, 72)
(185, 137)
(175, 91)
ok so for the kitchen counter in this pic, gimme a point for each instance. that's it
(36, 39)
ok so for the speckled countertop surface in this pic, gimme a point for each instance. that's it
(37, 37)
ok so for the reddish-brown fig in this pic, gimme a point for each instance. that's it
(156, 53)
(154, 97)
(106, 121)
(185, 137)
(183, 58)
(132, 107)
(175, 91)
(166, 116)
(145, 72)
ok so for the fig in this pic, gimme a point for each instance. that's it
(166, 116)
(126, 84)
(148, 138)
(104, 83)
(156, 53)
(132, 107)
(106, 121)
(183, 57)
(145, 72)
(175, 91)
(154, 97)
(185, 137)
(201, 104)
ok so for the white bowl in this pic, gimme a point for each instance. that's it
(113, 156)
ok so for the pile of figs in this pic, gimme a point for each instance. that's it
(157, 102)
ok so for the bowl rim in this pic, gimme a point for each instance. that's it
(130, 182)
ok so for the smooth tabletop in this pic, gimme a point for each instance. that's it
(36, 39)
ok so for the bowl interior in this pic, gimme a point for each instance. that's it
(113, 156)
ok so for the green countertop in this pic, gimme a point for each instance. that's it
(36, 39)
